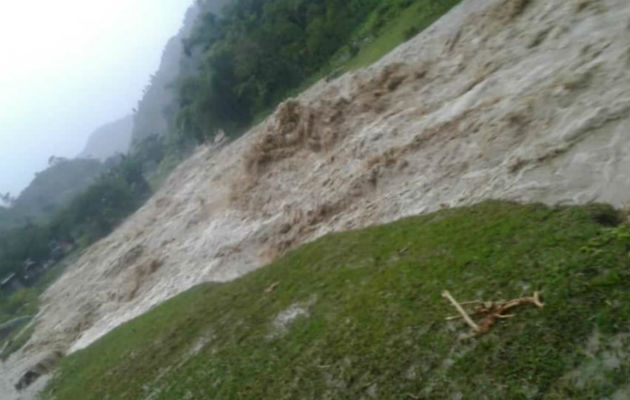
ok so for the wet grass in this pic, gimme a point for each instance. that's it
(407, 22)
(372, 321)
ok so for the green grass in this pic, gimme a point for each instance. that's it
(406, 23)
(375, 321)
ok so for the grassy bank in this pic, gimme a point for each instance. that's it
(359, 315)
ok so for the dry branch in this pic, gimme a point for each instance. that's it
(272, 287)
(461, 310)
(492, 311)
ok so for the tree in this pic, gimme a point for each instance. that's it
(255, 54)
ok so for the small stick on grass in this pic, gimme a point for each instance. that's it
(462, 312)
(535, 300)
(493, 311)
(470, 302)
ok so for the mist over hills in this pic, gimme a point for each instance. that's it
(57, 185)
(109, 140)
(51, 190)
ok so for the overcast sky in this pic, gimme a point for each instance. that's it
(69, 66)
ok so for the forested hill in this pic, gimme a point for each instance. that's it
(257, 52)
(152, 115)
(155, 114)
(225, 70)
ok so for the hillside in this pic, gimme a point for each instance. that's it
(151, 117)
(499, 99)
(359, 315)
(155, 111)
(109, 140)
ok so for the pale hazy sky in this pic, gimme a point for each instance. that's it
(68, 67)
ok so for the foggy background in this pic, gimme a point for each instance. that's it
(68, 67)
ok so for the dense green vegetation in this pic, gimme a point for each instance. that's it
(369, 321)
(259, 52)
(156, 111)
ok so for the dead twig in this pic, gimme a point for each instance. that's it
(461, 311)
(492, 311)
(272, 287)
(470, 302)
(535, 300)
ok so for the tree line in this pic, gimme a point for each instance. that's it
(255, 53)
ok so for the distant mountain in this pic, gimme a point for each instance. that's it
(109, 140)
(64, 179)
